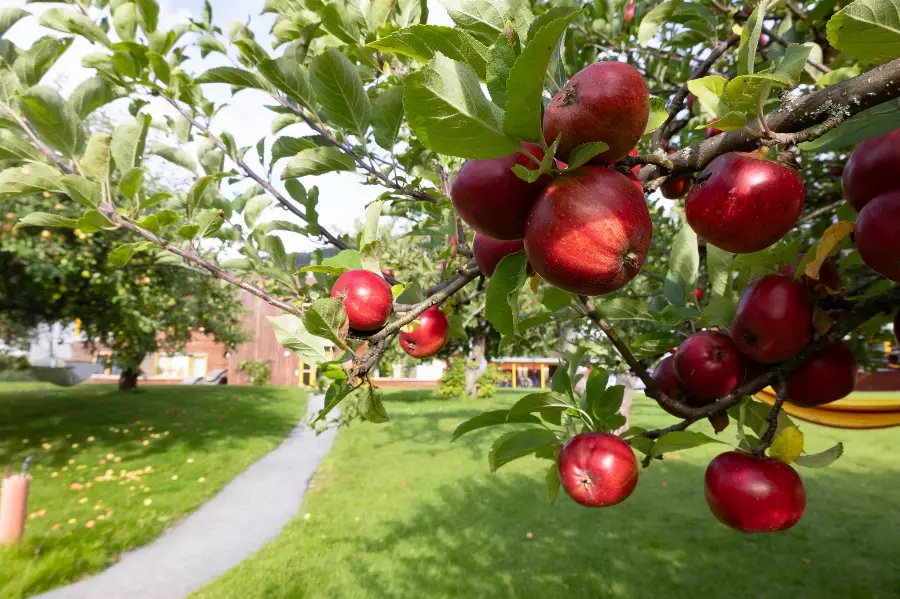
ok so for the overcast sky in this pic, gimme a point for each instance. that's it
(342, 196)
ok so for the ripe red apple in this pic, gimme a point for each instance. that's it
(668, 383)
(675, 188)
(636, 181)
(597, 469)
(489, 252)
(491, 199)
(366, 297)
(709, 364)
(752, 494)
(872, 169)
(828, 275)
(629, 10)
(589, 231)
(773, 320)
(878, 234)
(429, 337)
(744, 203)
(636, 169)
(828, 375)
(605, 101)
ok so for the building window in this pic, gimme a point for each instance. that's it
(179, 366)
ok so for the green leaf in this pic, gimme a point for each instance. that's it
(85, 192)
(605, 405)
(210, 221)
(678, 440)
(555, 299)
(750, 33)
(821, 459)
(91, 222)
(654, 343)
(96, 158)
(709, 90)
(867, 29)
(120, 256)
(342, 21)
(346, 259)
(235, 76)
(793, 62)
(525, 84)
(744, 93)
(596, 384)
(516, 444)
(93, 93)
(552, 483)
(501, 59)
(449, 114)
(13, 147)
(718, 268)
(684, 264)
(547, 164)
(371, 407)
(333, 396)
(340, 91)
(421, 42)
(585, 152)
(254, 208)
(656, 18)
(175, 156)
(125, 18)
(731, 121)
(537, 402)
(387, 116)
(370, 227)
(131, 181)
(317, 161)
(718, 312)
(492, 418)
(167, 217)
(69, 21)
(327, 318)
(150, 222)
(486, 18)
(33, 64)
(285, 147)
(623, 308)
(288, 75)
(51, 117)
(148, 10)
(292, 335)
(501, 303)
(658, 115)
(188, 231)
(128, 141)
(9, 17)
(195, 193)
(45, 219)
(28, 179)
(872, 122)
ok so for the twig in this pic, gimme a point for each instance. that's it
(820, 211)
(41, 146)
(781, 395)
(780, 40)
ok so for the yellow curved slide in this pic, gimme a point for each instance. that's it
(861, 410)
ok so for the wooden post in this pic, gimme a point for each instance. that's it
(543, 377)
(13, 506)
(514, 376)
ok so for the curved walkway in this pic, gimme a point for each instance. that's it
(248, 513)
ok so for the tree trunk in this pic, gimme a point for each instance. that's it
(473, 363)
(128, 380)
(627, 380)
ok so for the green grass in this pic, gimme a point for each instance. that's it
(113, 470)
(398, 512)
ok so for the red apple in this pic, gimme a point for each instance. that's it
(744, 203)
(597, 469)
(491, 199)
(629, 11)
(828, 375)
(828, 275)
(872, 169)
(489, 252)
(712, 131)
(636, 181)
(429, 336)
(605, 101)
(709, 364)
(675, 188)
(366, 297)
(690, 102)
(878, 234)
(589, 231)
(668, 383)
(636, 169)
(773, 320)
(753, 494)
(697, 293)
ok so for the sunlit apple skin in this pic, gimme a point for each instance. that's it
(606, 101)
(751, 494)
(366, 297)
(429, 337)
(489, 252)
(872, 169)
(491, 199)
(744, 203)
(773, 320)
(878, 234)
(597, 469)
(828, 275)
(828, 375)
(709, 364)
(589, 232)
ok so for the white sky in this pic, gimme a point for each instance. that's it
(342, 197)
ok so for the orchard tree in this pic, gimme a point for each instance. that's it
(552, 125)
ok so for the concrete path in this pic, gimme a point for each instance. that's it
(232, 526)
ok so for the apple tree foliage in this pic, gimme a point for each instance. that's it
(371, 89)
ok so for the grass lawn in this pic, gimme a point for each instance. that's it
(113, 470)
(398, 512)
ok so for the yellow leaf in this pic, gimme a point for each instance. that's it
(831, 241)
(534, 282)
(788, 445)
(821, 322)
(736, 29)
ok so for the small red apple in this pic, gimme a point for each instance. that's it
(773, 320)
(828, 375)
(489, 252)
(872, 169)
(752, 494)
(835, 171)
(606, 101)
(668, 383)
(690, 102)
(878, 234)
(744, 203)
(629, 11)
(366, 297)
(697, 293)
(675, 188)
(828, 275)
(589, 231)
(712, 131)
(429, 336)
(491, 199)
(709, 364)
(597, 469)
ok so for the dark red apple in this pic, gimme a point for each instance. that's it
(828, 375)
(429, 336)
(878, 234)
(629, 11)
(675, 188)
(668, 383)
(489, 252)
(366, 297)
(709, 364)
(753, 494)
(589, 231)
(872, 169)
(491, 199)
(690, 102)
(712, 131)
(835, 171)
(828, 275)
(605, 101)
(773, 320)
(744, 203)
(597, 469)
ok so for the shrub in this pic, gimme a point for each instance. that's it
(259, 371)
(487, 382)
(453, 384)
